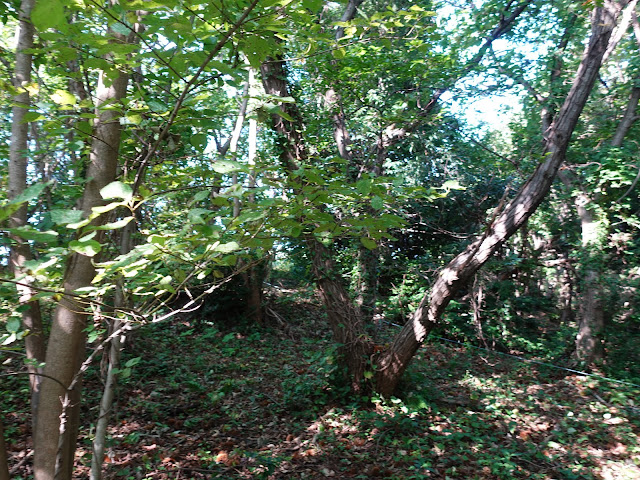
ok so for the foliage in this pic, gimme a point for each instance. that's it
(205, 204)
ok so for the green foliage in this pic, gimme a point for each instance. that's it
(320, 383)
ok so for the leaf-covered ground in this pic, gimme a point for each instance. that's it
(230, 403)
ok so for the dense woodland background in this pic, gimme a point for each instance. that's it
(229, 227)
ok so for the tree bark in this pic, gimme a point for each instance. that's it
(393, 362)
(589, 346)
(345, 320)
(115, 348)
(18, 161)
(55, 446)
(591, 322)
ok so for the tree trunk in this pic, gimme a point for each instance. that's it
(367, 287)
(18, 161)
(115, 348)
(55, 440)
(345, 320)
(589, 346)
(565, 281)
(394, 361)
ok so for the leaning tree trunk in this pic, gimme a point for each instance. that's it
(393, 362)
(55, 445)
(344, 318)
(18, 161)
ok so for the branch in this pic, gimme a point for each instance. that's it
(519, 79)
(627, 16)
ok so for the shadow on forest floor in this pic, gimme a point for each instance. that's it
(262, 404)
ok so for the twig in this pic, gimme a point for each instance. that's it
(19, 465)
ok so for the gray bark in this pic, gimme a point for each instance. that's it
(591, 321)
(589, 346)
(115, 348)
(18, 161)
(509, 219)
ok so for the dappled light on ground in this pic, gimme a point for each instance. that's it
(264, 404)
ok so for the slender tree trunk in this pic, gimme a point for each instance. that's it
(566, 290)
(115, 348)
(18, 161)
(591, 323)
(393, 362)
(256, 274)
(344, 318)
(55, 439)
(367, 286)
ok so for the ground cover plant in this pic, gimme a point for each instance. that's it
(200, 402)
(227, 230)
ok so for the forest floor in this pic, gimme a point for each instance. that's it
(204, 403)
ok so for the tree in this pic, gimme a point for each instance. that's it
(591, 215)
(508, 218)
(58, 417)
(18, 161)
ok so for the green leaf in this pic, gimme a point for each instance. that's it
(88, 249)
(452, 185)
(198, 197)
(226, 166)
(227, 247)
(31, 117)
(368, 243)
(377, 202)
(364, 186)
(134, 118)
(339, 53)
(133, 362)
(30, 233)
(95, 211)
(30, 193)
(313, 5)
(199, 140)
(120, 28)
(251, 216)
(156, 106)
(62, 217)
(195, 215)
(49, 14)
(158, 239)
(117, 190)
(115, 225)
(63, 98)
(13, 325)
(229, 260)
